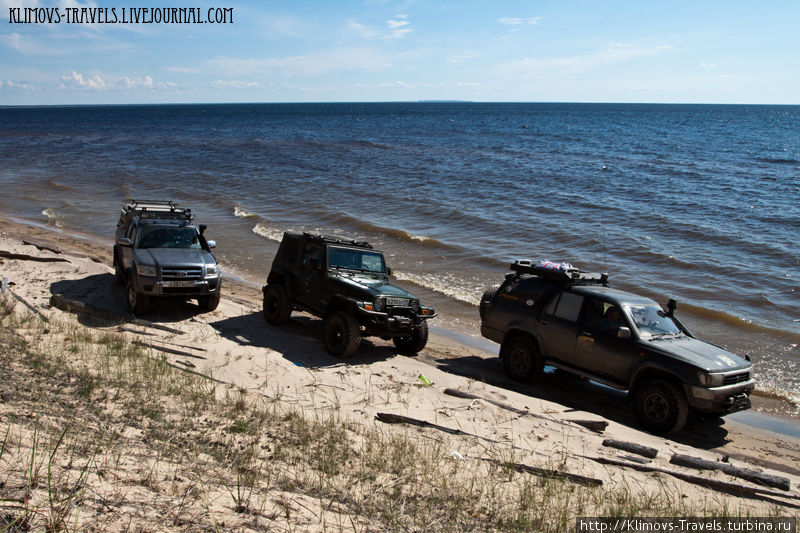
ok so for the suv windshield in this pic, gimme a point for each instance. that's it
(356, 260)
(651, 321)
(168, 237)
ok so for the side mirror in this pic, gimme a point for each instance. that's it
(212, 244)
(202, 228)
(124, 241)
(671, 306)
(388, 271)
(624, 333)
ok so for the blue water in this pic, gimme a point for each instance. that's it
(696, 202)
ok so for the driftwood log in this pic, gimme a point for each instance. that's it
(632, 447)
(26, 304)
(42, 247)
(753, 476)
(26, 257)
(547, 473)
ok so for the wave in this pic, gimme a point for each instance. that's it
(269, 233)
(241, 213)
(364, 226)
(53, 218)
(446, 284)
(53, 184)
(778, 160)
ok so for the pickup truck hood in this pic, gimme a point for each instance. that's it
(175, 257)
(698, 353)
(375, 286)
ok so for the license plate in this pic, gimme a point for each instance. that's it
(396, 301)
(178, 284)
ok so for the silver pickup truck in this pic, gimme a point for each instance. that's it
(158, 251)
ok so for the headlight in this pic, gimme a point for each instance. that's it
(380, 303)
(709, 380)
(146, 270)
(414, 305)
(211, 271)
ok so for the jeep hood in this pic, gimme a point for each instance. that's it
(175, 256)
(698, 353)
(375, 286)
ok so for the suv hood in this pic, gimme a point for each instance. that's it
(175, 256)
(375, 286)
(698, 353)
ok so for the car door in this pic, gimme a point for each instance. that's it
(312, 274)
(557, 326)
(599, 348)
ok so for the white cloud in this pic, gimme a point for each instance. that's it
(233, 84)
(13, 85)
(75, 80)
(515, 21)
(398, 27)
(339, 59)
(26, 45)
(463, 58)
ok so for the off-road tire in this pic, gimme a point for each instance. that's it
(342, 335)
(414, 343)
(277, 306)
(521, 359)
(660, 406)
(486, 300)
(210, 302)
(137, 302)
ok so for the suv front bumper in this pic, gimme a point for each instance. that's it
(723, 400)
(179, 288)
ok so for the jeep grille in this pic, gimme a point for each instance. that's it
(181, 273)
(735, 378)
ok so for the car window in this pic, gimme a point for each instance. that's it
(566, 306)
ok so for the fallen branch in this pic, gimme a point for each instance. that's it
(26, 257)
(646, 451)
(26, 304)
(547, 473)
(389, 418)
(720, 486)
(753, 476)
(594, 425)
(42, 247)
(167, 349)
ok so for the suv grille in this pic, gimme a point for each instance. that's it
(736, 378)
(181, 273)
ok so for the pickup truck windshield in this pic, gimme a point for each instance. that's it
(651, 321)
(161, 237)
(356, 260)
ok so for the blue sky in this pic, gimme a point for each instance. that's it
(491, 50)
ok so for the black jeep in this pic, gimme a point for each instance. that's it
(572, 320)
(346, 283)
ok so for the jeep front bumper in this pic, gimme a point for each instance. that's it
(723, 400)
(396, 322)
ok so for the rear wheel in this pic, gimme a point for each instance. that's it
(137, 302)
(210, 302)
(661, 406)
(521, 359)
(277, 307)
(342, 335)
(414, 343)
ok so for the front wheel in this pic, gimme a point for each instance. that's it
(119, 273)
(210, 302)
(342, 335)
(414, 343)
(661, 406)
(137, 302)
(521, 359)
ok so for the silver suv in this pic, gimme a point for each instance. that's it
(160, 252)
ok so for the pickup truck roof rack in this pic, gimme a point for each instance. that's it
(566, 275)
(158, 209)
(338, 240)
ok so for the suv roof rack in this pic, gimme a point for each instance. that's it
(160, 209)
(566, 273)
(338, 240)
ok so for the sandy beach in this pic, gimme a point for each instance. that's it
(562, 423)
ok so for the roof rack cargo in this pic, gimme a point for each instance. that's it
(160, 209)
(558, 272)
(338, 240)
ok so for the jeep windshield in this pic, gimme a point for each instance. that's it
(651, 321)
(168, 237)
(361, 260)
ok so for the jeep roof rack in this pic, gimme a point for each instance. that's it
(567, 275)
(159, 209)
(338, 240)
